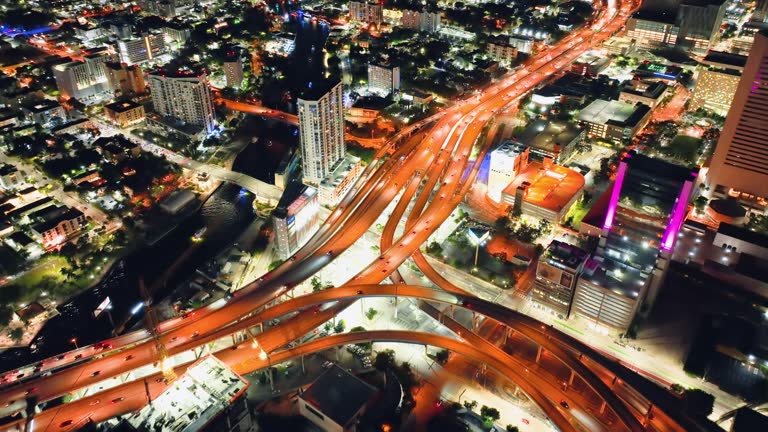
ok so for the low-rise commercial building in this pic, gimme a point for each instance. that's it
(544, 191)
(502, 51)
(10, 177)
(203, 394)
(523, 44)
(614, 121)
(619, 45)
(556, 275)
(645, 92)
(124, 114)
(336, 400)
(43, 112)
(590, 64)
(342, 176)
(507, 161)
(60, 228)
(551, 139)
(570, 88)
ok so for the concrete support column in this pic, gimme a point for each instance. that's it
(338, 353)
(452, 311)
(538, 353)
(570, 378)
(303, 368)
(270, 378)
(648, 415)
(603, 405)
(396, 302)
(613, 381)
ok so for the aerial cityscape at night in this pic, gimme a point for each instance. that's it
(380, 216)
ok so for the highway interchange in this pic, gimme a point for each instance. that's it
(432, 165)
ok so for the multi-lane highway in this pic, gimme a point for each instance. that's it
(442, 157)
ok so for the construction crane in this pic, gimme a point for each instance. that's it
(165, 366)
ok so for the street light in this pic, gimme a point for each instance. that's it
(477, 237)
(74, 342)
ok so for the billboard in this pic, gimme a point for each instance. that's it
(102, 307)
(549, 272)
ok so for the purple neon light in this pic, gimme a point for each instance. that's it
(615, 193)
(676, 218)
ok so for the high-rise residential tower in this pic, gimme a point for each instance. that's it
(321, 129)
(739, 166)
(182, 96)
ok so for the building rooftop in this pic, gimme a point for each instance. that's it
(509, 149)
(48, 213)
(6, 169)
(729, 207)
(33, 205)
(122, 106)
(372, 103)
(725, 60)
(565, 255)
(340, 170)
(659, 167)
(658, 70)
(317, 89)
(192, 401)
(592, 58)
(743, 234)
(613, 112)
(648, 14)
(43, 106)
(747, 420)
(549, 134)
(650, 89)
(614, 275)
(294, 198)
(570, 84)
(73, 123)
(193, 71)
(338, 394)
(20, 239)
(52, 222)
(551, 188)
(177, 200)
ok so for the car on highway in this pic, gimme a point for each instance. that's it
(564, 404)
(118, 400)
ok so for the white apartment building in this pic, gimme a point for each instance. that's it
(366, 13)
(321, 130)
(421, 21)
(383, 78)
(183, 96)
(144, 48)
